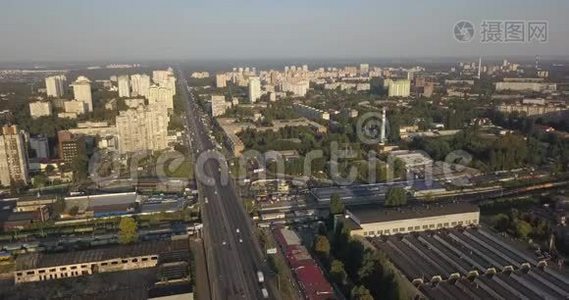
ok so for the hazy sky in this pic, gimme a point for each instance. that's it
(210, 29)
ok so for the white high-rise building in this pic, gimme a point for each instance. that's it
(220, 80)
(13, 157)
(218, 105)
(254, 89)
(140, 84)
(364, 69)
(55, 85)
(124, 86)
(161, 96)
(161, 76)
(398, 88)
(82, 91)
(171, 84)
(142, 128)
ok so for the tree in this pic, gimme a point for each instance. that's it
(40, 180)
(396, 196)
(336, 205)
(49, 169)
(523, 228)
(361, 293)
(58, 207)
(128, 230)
(74, 211)
(322, 246)
(337, 272)
(501, 222)
(80, 166)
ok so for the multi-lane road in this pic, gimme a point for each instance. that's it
(233, 253)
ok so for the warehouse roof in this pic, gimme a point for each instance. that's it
(41, 260)
(376, 214)
(105, 199)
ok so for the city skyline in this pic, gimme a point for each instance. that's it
(265, 30)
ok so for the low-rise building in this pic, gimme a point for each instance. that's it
(413, 159)
(311, 112)
(525, 84)
(75, 107)
(41, 267)
(40, 109)
(365, 221)
(533, 107)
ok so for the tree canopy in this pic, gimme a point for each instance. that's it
(336, 204)
(128, 231)
(396, 196)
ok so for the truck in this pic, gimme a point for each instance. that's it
(260, 276)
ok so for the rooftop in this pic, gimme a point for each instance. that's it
(372, 214)
(103, 200)
(372, 192)
(41, 260)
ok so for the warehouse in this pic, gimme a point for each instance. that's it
(39, 266)
(377, 221)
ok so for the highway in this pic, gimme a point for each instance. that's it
(233, 253)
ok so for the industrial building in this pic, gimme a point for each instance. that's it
(105, 204)
(378, 221)
(41, 267)
(369, 193)
(472, 263)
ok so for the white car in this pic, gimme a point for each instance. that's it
(241, 241)
(224, 243)
(237, 230)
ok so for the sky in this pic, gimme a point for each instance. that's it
(64, 30)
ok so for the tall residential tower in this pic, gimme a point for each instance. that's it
(82, 91)
(13, 157)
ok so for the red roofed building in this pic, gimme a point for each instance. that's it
(312, 282)
(308, 274)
